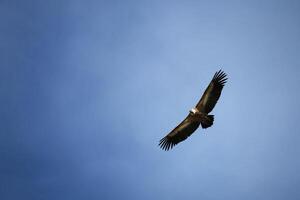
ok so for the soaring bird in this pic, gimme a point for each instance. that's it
(197, 115)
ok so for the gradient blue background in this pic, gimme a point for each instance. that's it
(88, 88)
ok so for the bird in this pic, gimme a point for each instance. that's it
(199, 115)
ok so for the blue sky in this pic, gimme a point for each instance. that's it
(88, 88)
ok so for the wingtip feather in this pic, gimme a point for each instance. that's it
(166, 144)
(220, 77)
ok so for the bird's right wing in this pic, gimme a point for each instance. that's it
(180, 133)
(212, 93)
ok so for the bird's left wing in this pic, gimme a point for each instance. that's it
(180, 133)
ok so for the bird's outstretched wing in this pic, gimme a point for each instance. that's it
(212, 93)
(180, 133)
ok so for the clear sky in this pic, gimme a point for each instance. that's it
(88, 88)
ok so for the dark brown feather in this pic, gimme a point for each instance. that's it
(180, 133)
(212, 93)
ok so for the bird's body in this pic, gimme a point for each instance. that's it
(198, 115)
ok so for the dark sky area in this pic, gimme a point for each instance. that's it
(88, 88)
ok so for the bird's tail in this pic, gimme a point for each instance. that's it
(207, 121)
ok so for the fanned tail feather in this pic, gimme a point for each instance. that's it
(207, 121)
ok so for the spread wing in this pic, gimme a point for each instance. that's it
(212, 93)
(180, 133)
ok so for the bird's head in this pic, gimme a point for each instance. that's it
(194, 110)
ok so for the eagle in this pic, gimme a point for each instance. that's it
(197, 115)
